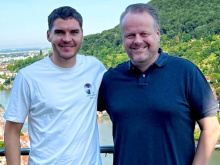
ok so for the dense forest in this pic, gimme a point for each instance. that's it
(190, 29)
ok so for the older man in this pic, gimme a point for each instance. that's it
(155, 99)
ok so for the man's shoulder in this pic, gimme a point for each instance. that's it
(33, 67)
(120, 69)
(87, 58)
(174, 59)
(179, 61)
(90, 63)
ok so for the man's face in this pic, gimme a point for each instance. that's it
(140, 38)
(66, 37)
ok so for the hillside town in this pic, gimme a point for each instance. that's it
(9, 56)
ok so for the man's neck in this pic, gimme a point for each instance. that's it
(144, 66)
(61, 62)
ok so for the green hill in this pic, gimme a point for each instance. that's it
(189, 29)
(180, 21)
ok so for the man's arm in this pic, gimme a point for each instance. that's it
(12, 142)
(210, 132)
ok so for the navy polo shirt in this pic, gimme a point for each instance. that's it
(154, 112)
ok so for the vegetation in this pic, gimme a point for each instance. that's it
(196, 135)
(1, 106)
(3, 76)
(188, 19)
(189, 29)
(17, 65)
(218, 116)
(1, 87)
(23, 63)
(2, 145)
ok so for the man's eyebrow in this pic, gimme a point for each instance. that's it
(58, 30)
(75, 30)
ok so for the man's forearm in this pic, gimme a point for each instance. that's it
(12, 143)
(12, 152)
(206, 144)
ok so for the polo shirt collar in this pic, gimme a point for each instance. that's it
(161, 61)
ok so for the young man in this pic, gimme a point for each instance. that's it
(59, 96)
(155, 99)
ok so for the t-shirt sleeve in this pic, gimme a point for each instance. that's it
(201, 98)
(19, 102)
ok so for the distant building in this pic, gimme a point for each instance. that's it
(2, 81)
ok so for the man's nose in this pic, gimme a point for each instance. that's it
(138, 39)
(67, 38)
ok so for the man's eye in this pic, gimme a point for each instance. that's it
(144, 34)
(75, 31)
(130, 36)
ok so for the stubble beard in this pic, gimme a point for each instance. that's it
(61, 56)
(68, 57)
(147, 59)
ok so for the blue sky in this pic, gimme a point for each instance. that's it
(24, 22)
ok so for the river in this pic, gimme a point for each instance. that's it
(105, 133)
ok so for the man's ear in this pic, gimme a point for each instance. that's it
(158, 35)
(82, 35)
(48, 36)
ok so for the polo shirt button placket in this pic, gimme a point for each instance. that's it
(143, 80)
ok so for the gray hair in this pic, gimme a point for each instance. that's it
(141, 8)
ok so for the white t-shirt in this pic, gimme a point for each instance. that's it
(61, 105)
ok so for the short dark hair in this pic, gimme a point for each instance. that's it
(64, 12)
(141, 8)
